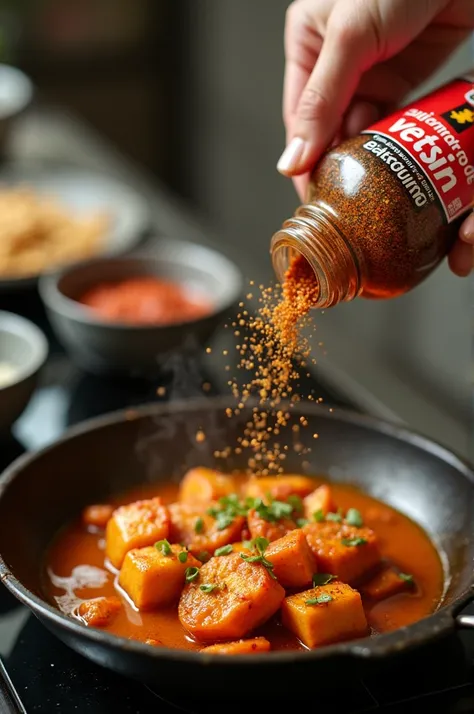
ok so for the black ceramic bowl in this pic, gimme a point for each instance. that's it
(106, 347)
(23, 347)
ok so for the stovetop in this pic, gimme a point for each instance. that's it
(48, 677)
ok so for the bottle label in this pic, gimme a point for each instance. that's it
(429, 147)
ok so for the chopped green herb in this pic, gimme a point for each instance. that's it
(324, 597)
(199, 525)
(225, 550)
(318, 515)
(228, 508)
(259, 545)
(353, 541)
(224, 519)
(164, 547)
(247, 544)
(274, 511)
(406, 577)
(203, 556)
(300, 522)
(208, 587)
(183, 556)
(296, 503)
(335, 517)
(354, 518)
(233, 501)
(322, 578)
(191, 574)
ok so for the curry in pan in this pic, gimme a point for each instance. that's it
(236, 565)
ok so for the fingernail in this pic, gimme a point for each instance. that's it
(291, 156)
(467, 229)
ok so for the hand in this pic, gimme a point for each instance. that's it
(349, 62)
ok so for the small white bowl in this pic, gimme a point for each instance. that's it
(16, 91)
(25, 348)
(16, 94)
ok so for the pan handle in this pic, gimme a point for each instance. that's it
(10, 702)
(465, 622)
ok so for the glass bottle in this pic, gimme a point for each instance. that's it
(383, 209)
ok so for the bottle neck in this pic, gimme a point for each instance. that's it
(312, 232)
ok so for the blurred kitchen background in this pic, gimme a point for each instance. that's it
(191, 91)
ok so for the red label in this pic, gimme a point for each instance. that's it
(429, 148)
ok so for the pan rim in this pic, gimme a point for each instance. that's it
(384, 645)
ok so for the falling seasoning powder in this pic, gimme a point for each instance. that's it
(273, 346)
(383, 208)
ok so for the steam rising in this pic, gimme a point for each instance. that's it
(179, 441)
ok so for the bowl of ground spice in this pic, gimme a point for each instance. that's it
(127, 316)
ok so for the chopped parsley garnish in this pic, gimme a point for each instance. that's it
(274, 511)
(335, 517)
(183, 556)
(296, 503)
(259, 545)
(225, 550)
(199, 525)
(164, 547)
(319, 600)
(322, 579)
(354, 518)
(318, 515)
(191, 574)
(300, 522)
(228, 508)
(406, 577)
(247, 544)
(208, 587)
(203, 556)
(349, 542)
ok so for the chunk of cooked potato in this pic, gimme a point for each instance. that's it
(320, 500)
(254, 646)
(154, 576)
(386, 583)
(229, 599)
(201, 485)
(100, 611)
(97, 515)
(271, 530)
(293, 560)
(135, 525)
(343, 550)
(325, 614)
(199, 531)
(279, 487)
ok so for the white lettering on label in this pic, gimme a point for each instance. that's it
(433, 160)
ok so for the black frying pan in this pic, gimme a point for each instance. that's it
(42, 492)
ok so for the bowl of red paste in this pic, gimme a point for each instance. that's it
(129, 315)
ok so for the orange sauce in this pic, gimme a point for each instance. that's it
(145, 300)
(401, 541)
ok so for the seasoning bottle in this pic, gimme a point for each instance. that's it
(383, 209)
